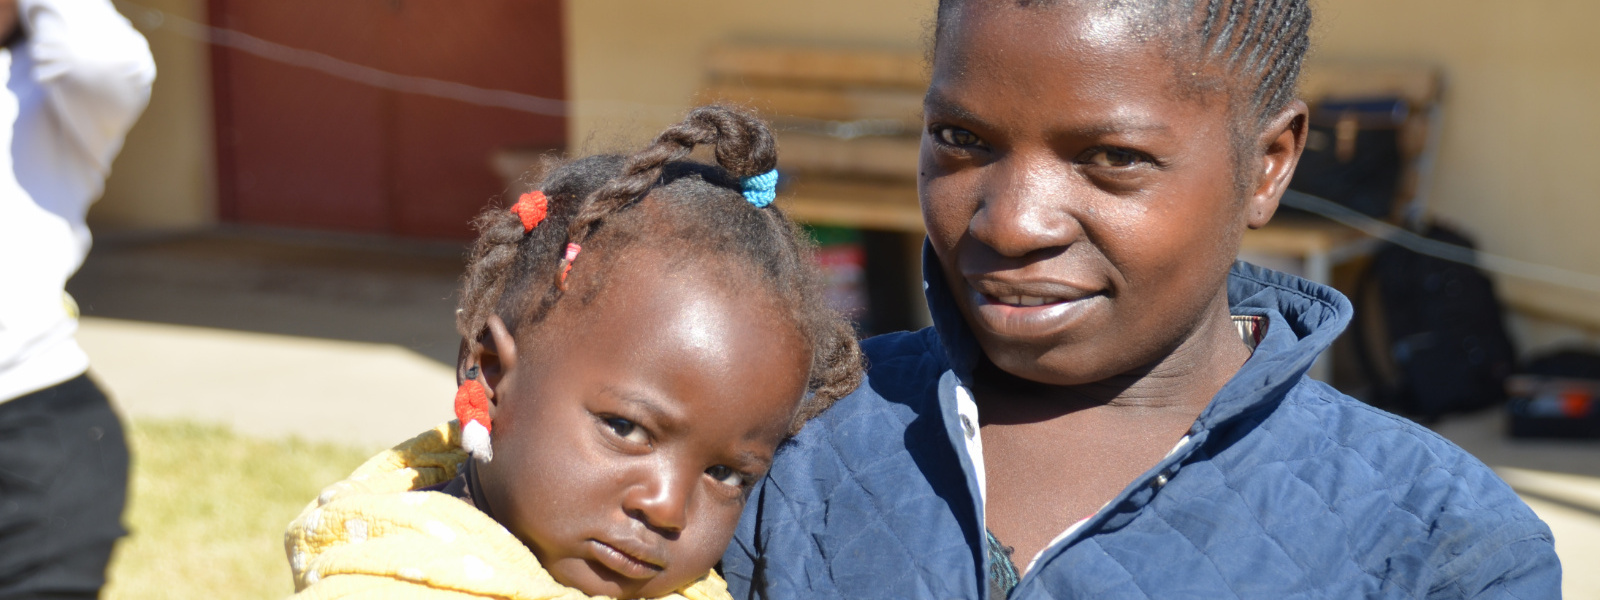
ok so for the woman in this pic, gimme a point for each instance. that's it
(1108, 405)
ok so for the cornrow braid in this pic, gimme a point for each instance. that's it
(1261, 44)
(695, 212)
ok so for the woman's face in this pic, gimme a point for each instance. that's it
(629, 430)
(1081, 201)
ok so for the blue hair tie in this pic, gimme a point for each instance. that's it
(761, 189)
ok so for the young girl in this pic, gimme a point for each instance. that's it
(638, 338)
(1108, 405)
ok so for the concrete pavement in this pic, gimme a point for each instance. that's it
(266, 385)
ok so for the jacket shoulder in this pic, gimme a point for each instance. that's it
(1396, 451)
(1419, 510)
(863, 498)
(902, 369)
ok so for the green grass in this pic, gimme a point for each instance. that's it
(208, 509)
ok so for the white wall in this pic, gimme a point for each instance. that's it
(165, 177)
(1517, 167)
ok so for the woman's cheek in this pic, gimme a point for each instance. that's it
(946, 210)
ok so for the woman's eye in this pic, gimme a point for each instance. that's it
(726, 475)
(627, 430)
(956, 136)
(1112, 157)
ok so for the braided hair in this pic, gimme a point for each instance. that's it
(683, 209)
(1259, 45)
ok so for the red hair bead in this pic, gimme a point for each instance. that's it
(472, 412)
(532, 208)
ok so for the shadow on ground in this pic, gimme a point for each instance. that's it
(289, 283)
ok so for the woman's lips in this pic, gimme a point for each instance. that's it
(623, 563)
(1027, 317)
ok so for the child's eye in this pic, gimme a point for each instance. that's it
(956, 136)
(627, 430)
(1113, 157)
(726, 475)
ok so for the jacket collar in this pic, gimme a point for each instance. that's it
(1303, 319)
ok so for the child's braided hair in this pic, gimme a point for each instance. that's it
(695, 210)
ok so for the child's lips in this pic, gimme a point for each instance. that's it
(633, 563)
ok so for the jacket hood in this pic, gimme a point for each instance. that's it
(1303, 319)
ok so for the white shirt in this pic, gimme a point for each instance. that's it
(74, 84)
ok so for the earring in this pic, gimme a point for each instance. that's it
(472, 411)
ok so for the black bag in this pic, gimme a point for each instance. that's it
(1352, 154)
(1445, 332)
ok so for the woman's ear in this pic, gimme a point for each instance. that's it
(494, 356)
(1280, 146)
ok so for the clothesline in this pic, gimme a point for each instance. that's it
(1503, 265)
(151, 19)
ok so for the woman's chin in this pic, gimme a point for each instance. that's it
(1043, 365)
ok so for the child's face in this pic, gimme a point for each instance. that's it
(627, 432)
(1082, 203)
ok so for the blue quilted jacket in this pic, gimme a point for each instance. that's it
(1286, 489)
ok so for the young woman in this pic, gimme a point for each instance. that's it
(1108, 405)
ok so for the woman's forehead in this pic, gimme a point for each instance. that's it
(1080, 21)
(989, 35)
(1057, 62)
(1048, 66)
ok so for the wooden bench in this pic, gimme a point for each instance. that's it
(848, 123)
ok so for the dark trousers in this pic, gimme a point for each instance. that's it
(63, 483)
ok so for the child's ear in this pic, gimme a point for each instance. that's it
(1280, 145)
(495, 355)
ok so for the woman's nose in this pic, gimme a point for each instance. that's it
(1025, 206)
(660, 499)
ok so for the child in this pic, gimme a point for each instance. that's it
(638, 338)
(1108, 405)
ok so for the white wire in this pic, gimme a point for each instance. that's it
(1503, 265)
(150, 19)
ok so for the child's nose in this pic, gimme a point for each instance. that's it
(1027, 207)
(661, 499)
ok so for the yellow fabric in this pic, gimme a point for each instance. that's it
(370, 536)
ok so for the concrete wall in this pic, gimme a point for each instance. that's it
(164, 178)
(633, 65)
(1516, 167)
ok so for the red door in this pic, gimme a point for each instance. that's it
(302, 148)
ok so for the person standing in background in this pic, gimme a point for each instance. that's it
(77, 76)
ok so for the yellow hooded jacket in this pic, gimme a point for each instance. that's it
(370, 536)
